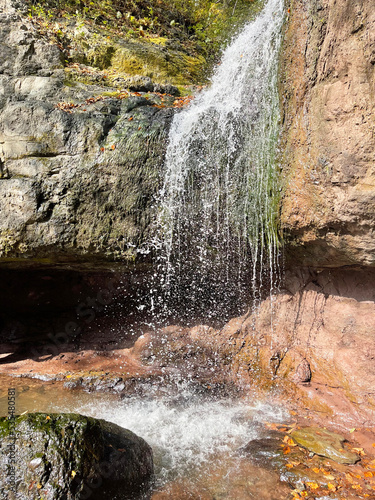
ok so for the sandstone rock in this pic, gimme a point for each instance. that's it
(69, 456)
(328, 142)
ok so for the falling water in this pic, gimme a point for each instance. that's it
(218, 218)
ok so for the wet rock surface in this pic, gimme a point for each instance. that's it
(308, 474)
(69, 456)
(324, 443)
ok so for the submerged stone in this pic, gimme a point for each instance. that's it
(70, 456)
(324, 443)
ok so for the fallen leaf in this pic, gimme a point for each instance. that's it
(289, 466)
(131, 118)
(113, 146)
(286, 450)
(331, 487)
(316, 470)
(73, 473)
(313, 486)
(352, 430)
(101, 149)
(360, 451)
(368, 474)
(356, 486)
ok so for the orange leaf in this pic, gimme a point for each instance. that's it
(313, 486)
(368, 474)
(130, 119)
(101, 149)
(113, 146)
(286, 450)
(360, 451)
(356, 486)
(289, 466)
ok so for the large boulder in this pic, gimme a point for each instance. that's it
(70, 456)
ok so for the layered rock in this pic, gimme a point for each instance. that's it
(79, 166)
(327, 77)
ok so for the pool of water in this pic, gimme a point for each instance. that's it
(195, 439)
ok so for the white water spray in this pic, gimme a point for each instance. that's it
(219, 200)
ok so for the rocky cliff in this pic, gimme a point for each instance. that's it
(79, 162)
(323, 319)
(327, 88)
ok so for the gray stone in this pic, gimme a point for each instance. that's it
(78, 169)
(69, 456)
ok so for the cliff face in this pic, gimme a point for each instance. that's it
(79, 162)
(323, 321)
(327, 84)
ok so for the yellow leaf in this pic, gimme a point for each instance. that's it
(356, 486)
(331, 487)
(289, 466)
(39, 486)
(304, 493)
(316, 470)
(313, 486)
(352, 430)
(368, 474)
(48, 417)
(73, 474)
(360, 451)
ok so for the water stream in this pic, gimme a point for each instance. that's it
(217, 235)
(216, 240)
(194, 440)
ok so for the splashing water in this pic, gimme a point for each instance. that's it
(217, 227)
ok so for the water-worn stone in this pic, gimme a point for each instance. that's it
(71, 456)
(324, 443)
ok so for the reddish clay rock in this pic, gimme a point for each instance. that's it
(328, 141)
(322, 327)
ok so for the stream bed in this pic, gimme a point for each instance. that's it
(195, 440)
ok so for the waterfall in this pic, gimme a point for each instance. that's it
(217, 225)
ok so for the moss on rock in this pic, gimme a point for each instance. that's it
(68, 455)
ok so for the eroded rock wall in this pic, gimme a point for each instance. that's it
(327, 87)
